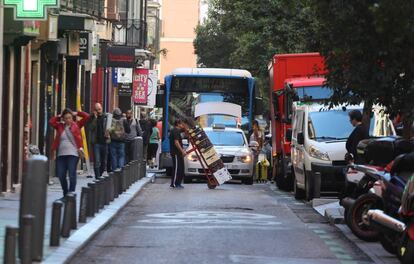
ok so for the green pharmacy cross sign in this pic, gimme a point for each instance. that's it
(31, 9)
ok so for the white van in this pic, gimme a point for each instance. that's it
(319, 136)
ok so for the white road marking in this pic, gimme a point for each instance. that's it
(211, 214)
(209, 221)
(178, 227)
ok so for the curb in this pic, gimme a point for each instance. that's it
(334, 216)
(71, 246)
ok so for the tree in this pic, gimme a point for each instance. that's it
(368, 50)
(246, 34)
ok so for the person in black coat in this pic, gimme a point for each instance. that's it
(146, 127)
(359, 133)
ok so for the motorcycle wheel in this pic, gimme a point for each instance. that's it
(388, 243)
(356, 217)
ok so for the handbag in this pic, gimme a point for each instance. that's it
(81, 153)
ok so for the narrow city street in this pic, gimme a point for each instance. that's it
(231, 224)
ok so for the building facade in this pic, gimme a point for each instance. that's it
(48, 65)
(179, 20)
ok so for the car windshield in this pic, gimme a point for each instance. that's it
(226, 138)
(326, 125)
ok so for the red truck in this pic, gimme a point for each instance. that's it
(293, 77)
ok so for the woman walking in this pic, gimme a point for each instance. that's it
(256, 136)
(68, 144)
(153, 144)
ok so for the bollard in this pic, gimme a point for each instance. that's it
(91, 201)
(117, 176)
(83, 207)
(68, 215)
(97, 195)
(111, 187)
(123, 177)
(143, 171)
(55, 227)
(128, 176)
(107, 199)
(33, 201)
(26, 234)
(101, 193)
(9, 256)
(74, 207)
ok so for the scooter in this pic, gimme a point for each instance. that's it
(389, 222)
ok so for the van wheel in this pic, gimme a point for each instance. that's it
(248, 182)
(299, 193)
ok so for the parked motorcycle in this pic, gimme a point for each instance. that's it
(357, 199)
(391, 222)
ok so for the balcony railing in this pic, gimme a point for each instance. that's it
(90, 7)
(131, 32)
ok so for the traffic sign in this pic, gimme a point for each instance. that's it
(31, 9)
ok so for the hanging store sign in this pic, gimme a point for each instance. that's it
(140, 92)
(152, 87)
(85, 46)
(124, 89)
(31, 9)
(123, 57)
(124, 75)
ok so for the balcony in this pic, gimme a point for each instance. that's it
(91, 7)
(131, 32)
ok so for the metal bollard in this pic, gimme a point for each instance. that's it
(56, 220)
(9, 256)
(83, 207)
(74, 208)
(97, 195)
(102, 193)
(143, 171)
(123, 177)
(33, 200)
(111, 187)
(128, 181)
(26, 234)
(91, 201)
(68, 215)
(117, 176)
(107, 199)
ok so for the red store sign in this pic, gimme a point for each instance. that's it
(140, 86)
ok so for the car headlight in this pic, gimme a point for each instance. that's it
(192, 157)
(317, 154)
(245, 158)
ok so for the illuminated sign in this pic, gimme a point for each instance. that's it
(31, 9)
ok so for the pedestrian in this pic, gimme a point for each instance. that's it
(359, 133)
(99, 137)
(119, 129)
(177, 153)
(256, 136)
(68, 144)
(153, 144)
(146, 132)
(135, 131)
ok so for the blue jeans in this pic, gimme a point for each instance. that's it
(65, 164)
(117, 155)
(100, 152)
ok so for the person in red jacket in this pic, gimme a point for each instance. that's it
(68, 146)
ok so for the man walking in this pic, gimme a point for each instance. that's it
(99, 138)
(136, 131)
(119, 128)
(177, 153)
(146, 132)
(359, 133)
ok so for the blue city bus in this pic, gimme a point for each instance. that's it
(186, 87)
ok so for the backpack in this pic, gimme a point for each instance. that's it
(117, 130)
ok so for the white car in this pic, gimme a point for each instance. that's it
(232, 146)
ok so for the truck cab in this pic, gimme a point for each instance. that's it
(319, 135)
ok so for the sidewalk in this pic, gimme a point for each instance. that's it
(9, 209)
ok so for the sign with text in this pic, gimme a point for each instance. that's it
(152, 87)
(118, 56)
(85, 42)
(140, 88)
(124, 89)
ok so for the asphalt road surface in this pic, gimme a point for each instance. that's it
(231, 224)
